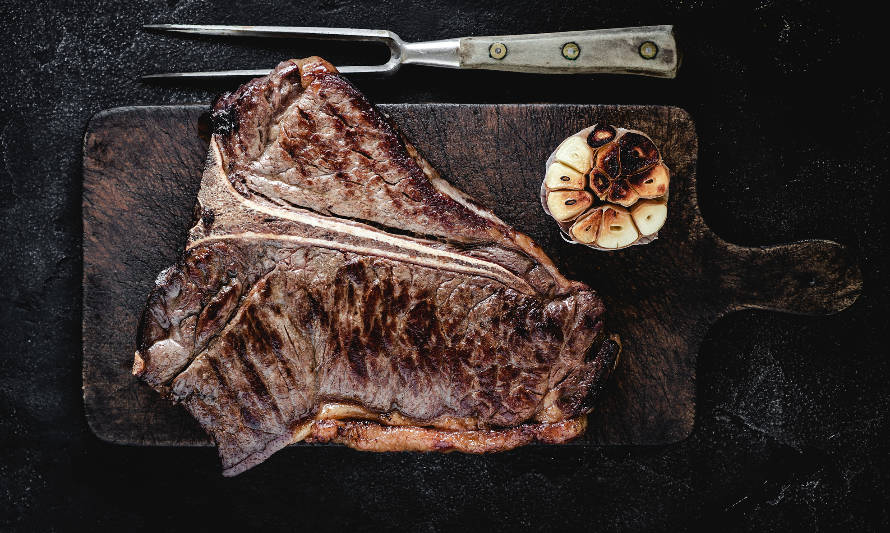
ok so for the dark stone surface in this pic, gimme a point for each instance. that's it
(792, 425)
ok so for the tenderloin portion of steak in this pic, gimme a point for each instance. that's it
(336, 289)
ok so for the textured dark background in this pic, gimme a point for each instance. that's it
(791, 431)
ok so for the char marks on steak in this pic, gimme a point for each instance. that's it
(336, 289)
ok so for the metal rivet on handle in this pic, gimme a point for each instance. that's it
(648, 50)
(571, 51)
(497, 50)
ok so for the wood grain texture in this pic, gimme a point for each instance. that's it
(142, 168)
(609, 51)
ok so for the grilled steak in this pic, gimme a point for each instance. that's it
(334, 288)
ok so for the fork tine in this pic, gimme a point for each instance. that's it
(345, 34)
(238, 74)
(210, 74)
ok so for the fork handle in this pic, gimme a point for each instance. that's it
(647, 51)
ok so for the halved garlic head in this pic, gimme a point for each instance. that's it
(566, 205)
(575, 153)
(607, 187)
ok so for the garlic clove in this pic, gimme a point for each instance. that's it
(560, 176)
(575, 153)
(566, 205)
(649, 215)
(621, 193)
(638, 153)
(585, 229)
(599, 183)
(607, 160)
(616, 229)
(651, 183)
(600, 135)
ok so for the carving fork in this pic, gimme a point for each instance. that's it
(645, 51)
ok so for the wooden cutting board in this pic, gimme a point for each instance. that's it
(142, 167)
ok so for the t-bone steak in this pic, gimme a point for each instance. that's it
(335, 288)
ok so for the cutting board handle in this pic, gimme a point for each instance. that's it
(816, 277)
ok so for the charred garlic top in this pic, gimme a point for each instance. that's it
(607, 187)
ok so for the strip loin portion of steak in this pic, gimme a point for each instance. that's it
(336, 289)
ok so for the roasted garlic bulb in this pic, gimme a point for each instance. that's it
(607, 187)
